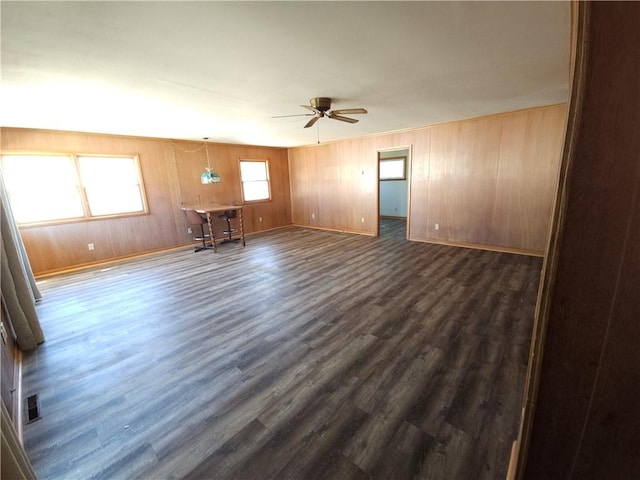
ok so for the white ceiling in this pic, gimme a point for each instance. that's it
(222, 70)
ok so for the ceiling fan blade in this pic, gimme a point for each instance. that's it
(297, 115)
(350, 110)
(343, 119)
(311, 122)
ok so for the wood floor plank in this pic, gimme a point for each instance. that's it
(335, 423)
(307, 354)
(406, 454)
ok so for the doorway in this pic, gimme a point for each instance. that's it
(393, 190)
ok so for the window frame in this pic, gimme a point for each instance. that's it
(404, 168)
(80, 188)
(242, 182)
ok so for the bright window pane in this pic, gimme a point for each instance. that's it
(255, 180)
(45, 188)
(112, 185)
(108, 171)
(42, 188)
(392, 169)
(256, 191)
(111, 201)
(252, 171)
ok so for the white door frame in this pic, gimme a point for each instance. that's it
(394, 148)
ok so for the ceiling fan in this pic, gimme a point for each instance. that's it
(321, 107)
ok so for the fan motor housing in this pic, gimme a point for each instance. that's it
(321, 103)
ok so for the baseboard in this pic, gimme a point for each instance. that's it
(86, 266)
(257, 232)
(115, 260)
(111, 261)
(489, 248)
(335, 230)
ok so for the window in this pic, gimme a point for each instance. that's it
(393, 168)
(52, 188)
(254, 175)
(111, 184)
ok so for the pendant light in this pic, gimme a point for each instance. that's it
(209, 176)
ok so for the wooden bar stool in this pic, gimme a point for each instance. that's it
(228, 215)
(199, 221)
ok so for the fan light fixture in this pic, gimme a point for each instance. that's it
(321, 108)
(209, 177)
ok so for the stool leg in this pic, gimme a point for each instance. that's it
(229, 231)
(204, 241)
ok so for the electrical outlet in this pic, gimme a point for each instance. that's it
(437, 226)
(313, 216)
(362, 219)
(91, 246)
(260, 219)
(189, 230)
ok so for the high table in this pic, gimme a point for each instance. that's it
(211, 209)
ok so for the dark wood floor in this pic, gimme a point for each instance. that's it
(307, 354)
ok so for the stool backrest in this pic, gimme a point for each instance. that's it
(194, 218)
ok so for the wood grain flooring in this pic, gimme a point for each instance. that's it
(305, 355)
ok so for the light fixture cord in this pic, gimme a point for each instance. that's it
(187, 151)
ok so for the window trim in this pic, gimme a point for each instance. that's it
(404, 169)
(81, 188)
(268, 180)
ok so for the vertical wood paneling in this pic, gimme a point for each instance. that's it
(610, 442)
(330, 173)
(530, 148)
(487, 182)
(171, 174)
(419, 188)
(304, 171)
(336, 183)
(462, 180)
(582, 419)
(359, 185)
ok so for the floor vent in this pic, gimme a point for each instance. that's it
(33, 408)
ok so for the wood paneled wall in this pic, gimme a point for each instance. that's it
(488, 182)
(582, 415)
(224, 160)
(171, 174)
